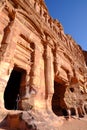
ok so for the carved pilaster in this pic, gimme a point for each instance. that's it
(8, 42)
(24, 102)
(35, 70)
(35, 4)
(46, 17)
(57, 65)
(50, 21)
(49, 76)
(41, 11)
(49, 70)
(3, 83)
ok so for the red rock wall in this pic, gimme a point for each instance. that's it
(85, 55)
(34, 46)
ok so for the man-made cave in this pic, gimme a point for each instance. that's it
(12, 90)
(58, 105)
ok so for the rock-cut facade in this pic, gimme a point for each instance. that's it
(41, 67)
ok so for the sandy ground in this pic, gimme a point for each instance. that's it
(74, 124)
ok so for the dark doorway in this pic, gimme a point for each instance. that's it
(12, 90)
(58, 105)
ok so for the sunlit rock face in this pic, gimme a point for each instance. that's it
(41, 68)
(85, 56)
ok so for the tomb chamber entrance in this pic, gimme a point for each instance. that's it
(58, 104)
(12, 90)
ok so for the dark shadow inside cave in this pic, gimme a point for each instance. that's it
(12, 89)
(58, 105)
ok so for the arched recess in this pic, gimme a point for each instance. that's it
(13, 88)
(58, 104)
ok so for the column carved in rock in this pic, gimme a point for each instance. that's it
(35, 77)
(57, 64)
(34, 71)
(49, 76)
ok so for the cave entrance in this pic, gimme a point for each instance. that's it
(12, 89)
(58, 105)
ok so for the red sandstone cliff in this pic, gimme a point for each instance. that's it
(85, 55)
(41, 68)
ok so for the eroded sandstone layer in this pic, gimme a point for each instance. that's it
(41, 68)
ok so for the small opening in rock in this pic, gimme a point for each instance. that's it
(73, 111)
(72, 90)
(85, 107)
(82, 92)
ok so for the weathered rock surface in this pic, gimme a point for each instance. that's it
(17, 121)
(85, 55)
(41, 68)
(29, 120)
